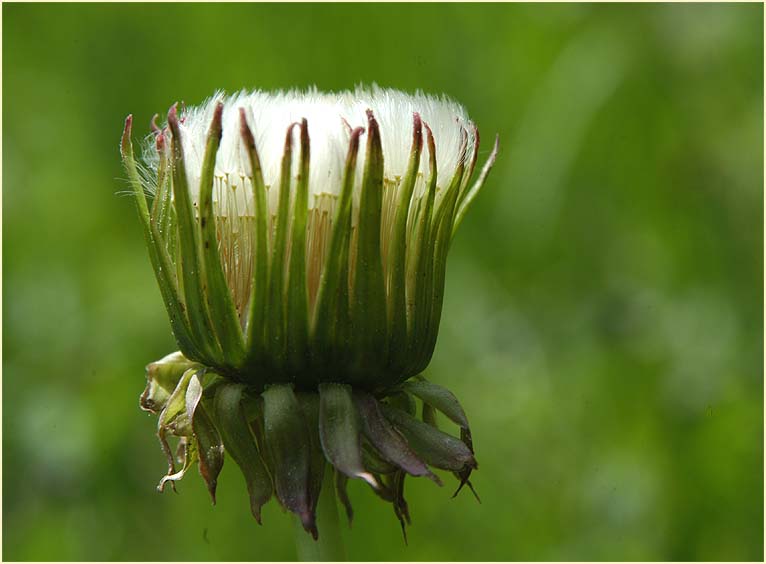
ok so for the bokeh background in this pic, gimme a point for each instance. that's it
(603, 322)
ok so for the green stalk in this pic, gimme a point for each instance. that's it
(329, 546)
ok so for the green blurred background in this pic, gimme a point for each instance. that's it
(603, 322)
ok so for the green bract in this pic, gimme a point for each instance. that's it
(305, 313)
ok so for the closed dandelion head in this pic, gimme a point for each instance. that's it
(300, 240)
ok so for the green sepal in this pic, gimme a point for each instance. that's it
(163, 217)
(471, 166)
(438, 397)
(468, 197)
(191, 266)
(275, 321)
(167, 231)
(428, 415)
(343, 330)
(402, 400)
(400, 502)
(341, 481)
(253, 409)
(401, 509)
(445, 207)
(386, 491)
(173, 419)
(209, 443)
(261, 260)
(163, 269)
(224, 316)
(432, 445)
(287, 440)
(396, 275)
(464, 474)
(422, 257)
(162, 201)
(373, 461)
(386, 440)
(332, 295)
(441, 230)
(297, 290)
(240, 444)
(368, 310)
(309, 403)
(339, 431)
(162, 377)
(187, 453)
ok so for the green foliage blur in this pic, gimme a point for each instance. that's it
(603, 322)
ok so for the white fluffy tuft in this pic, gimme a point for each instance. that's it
(329, 116)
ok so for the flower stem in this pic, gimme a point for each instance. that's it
(329, 547)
